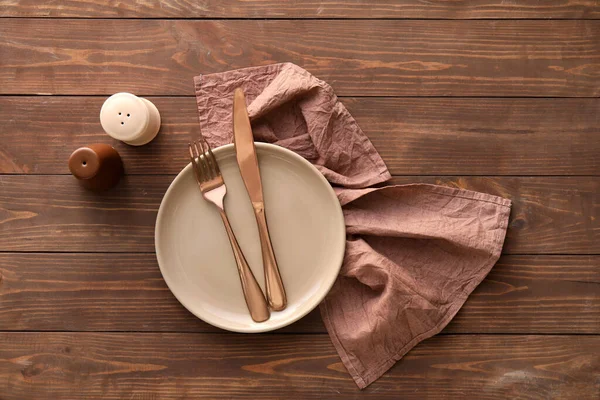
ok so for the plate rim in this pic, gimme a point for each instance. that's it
(338, 262)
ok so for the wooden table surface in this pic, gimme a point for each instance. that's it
(490, 95)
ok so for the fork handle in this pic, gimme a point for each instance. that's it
(255, 300)
(274, 285)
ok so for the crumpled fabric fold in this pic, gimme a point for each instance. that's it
(414, 252)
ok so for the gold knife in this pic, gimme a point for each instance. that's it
(246, 157)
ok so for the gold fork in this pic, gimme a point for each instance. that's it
(213, 189)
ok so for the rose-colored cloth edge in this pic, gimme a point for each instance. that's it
(268, 76)
(362, 381)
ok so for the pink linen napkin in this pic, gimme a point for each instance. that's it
(414, 253)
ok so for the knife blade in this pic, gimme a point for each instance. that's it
(245, 153)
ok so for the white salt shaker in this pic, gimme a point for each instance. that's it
(130, 119)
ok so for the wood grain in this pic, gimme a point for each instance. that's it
(539, 220)
(508, 97)
(126, 292)
(413, 58)
(550, 215)
(301, 9)
(175, 366)
(415, 136)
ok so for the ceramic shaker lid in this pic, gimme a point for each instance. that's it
(97, 166)
(130, 119)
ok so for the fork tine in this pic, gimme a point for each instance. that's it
(194, 163)
(193, 151)
(215, 166)
(210, 162)
(200, 164)
(197, 150)
(202, 160)
(196, 155)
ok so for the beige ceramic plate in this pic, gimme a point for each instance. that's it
(307, 230)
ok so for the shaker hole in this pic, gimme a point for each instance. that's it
(119, 113)
(122, 123)
(84, 163)
(128, 115)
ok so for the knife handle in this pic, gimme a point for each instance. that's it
(274, 285)
(255, 300)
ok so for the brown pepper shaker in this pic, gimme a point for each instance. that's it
(97, 166)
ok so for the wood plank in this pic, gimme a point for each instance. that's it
(550, 215)
(358, 57)
(415, 136)
(301, 9)
(539, 219)
(93, 292)
(528, 294)
(175, 366)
